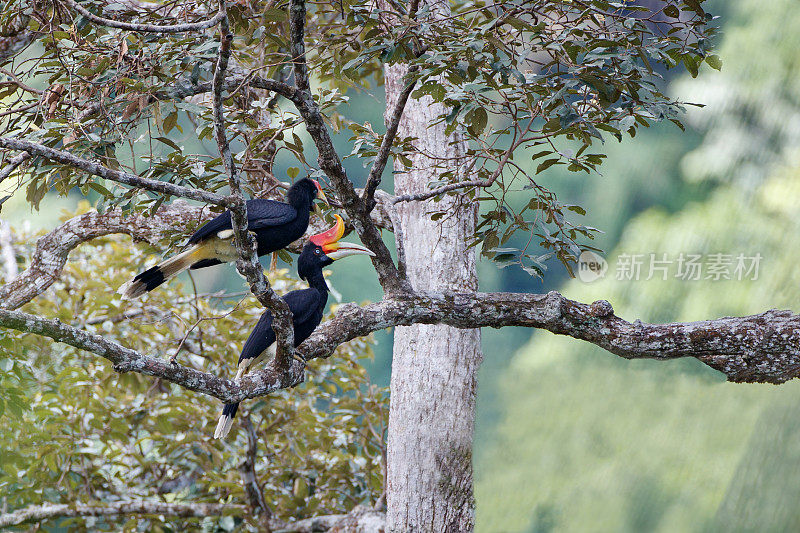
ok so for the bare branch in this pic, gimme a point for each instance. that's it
(375, 173)
(20, 109)
(12, 165)
(52, 510)
(330, 163)
(146, 28)
(53, 249)
(442, 190)
(97, 169)
(16, 81)
(313, 524)
(235, 78)
(248, 264)
(247, 471)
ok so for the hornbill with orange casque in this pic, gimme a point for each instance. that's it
(307, 306)
(275, 225)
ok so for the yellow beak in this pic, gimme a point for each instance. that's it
(328, 240)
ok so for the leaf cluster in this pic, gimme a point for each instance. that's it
(528, 85)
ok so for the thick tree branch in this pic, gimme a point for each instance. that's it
(53, 510)
(361, 519)
(248, 264)
(124, 359)
(758, 348)
(53, 249)
(329, 160)
(97, 169)
(146, 28)
(375, 173)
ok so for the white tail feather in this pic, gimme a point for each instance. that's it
(223, 427)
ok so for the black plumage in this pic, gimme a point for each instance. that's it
(306, 305)
(274, 224)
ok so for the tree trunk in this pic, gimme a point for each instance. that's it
(434, 367)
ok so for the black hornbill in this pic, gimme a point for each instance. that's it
(306, 305)
(275, 225)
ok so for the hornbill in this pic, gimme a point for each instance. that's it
(306, 305)
(275, 225)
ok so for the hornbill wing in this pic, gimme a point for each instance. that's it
(266, 213)
(261, 338)
(260, 214)
(302, 303)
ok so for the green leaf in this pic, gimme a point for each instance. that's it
(168, 142)
(546, 164)
(690, 62)
(714, 62)
(672, 11)
(694, 5)
(100, 189)
(274, 14)
(477, 119)
(170, 121)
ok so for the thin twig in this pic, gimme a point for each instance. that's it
(466, 184)
(16, 81)
(97, 169)
(12, 165)
(247, 470)
(375, 173)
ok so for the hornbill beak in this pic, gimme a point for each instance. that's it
(321, 193)
(329, 242)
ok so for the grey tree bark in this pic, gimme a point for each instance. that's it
(434, 367)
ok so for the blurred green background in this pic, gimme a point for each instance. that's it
(571, 438)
